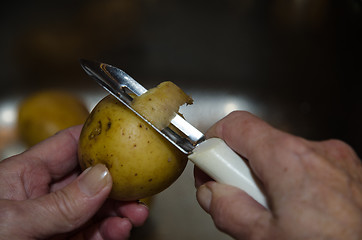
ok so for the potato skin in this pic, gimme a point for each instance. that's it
(160, 104)
(142, 163)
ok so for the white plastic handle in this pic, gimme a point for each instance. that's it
(221, 163)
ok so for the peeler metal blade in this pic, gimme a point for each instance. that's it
(119, 84)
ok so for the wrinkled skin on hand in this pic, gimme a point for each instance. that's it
(43, 196)
(314, 189)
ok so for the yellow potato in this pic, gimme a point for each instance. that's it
(142, 163)
(147, 201)
(45, 113)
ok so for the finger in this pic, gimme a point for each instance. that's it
(113, 228)
(234, 212)
(339, 153)
(58, 154)
(69, 208)
(263, 145)
(200, 177)
(137, 213)
(61, 183)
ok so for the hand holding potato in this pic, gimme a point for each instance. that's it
(41, 195)
(314, 188)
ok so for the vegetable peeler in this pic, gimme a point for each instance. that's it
(213, 156)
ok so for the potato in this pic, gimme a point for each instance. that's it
(45, 113)
(142, 163)
(147, 201)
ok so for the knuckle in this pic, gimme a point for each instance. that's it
(219, 215)
(338, 145)
(242, 123)
(231, 221)
(229, 215)
(65, 208)
(340, 151)
(222, 208)
(238, 114)
(12, 219)
(245, 119)
(10, 212)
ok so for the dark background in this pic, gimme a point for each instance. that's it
(300, 58)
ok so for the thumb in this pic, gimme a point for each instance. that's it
(69, 208)
(234, 212)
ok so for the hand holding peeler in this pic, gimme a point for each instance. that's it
(213, 156)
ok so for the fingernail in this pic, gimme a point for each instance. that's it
(204, 196)
(94, 179)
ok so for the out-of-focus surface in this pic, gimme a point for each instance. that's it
(295, 63)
